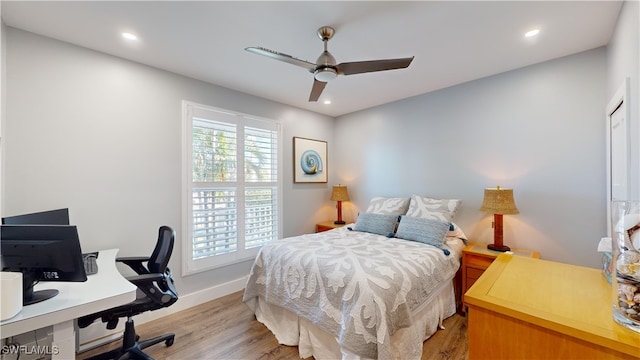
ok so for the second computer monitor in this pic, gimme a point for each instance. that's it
(51, 217)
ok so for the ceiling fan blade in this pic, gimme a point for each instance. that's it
(282, 57)
(359, 67)
(316, 90)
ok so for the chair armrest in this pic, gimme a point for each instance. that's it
(152, 284)
(133, 258)
(144, 279)
(135, 263)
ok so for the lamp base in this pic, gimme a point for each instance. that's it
(339, 222)
(501, 248)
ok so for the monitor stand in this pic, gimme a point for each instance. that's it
(40, 295)
(31, 297)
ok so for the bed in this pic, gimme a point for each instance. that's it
(375, 289)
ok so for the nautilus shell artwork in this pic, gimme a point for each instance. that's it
(311, 162)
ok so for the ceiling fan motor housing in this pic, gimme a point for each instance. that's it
(325, 74)
(325, 67)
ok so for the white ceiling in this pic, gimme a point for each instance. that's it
(452, 41)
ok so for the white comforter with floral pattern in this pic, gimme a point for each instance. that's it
(357, 286)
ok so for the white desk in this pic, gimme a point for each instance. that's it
(103, 290)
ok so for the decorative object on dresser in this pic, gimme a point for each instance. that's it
(476, 259)
(524, 308)
(498, 202)
(625, 220)
(339, 194)
(309, 160)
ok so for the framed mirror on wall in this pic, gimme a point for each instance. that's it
(618, 148)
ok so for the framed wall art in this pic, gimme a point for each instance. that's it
(309, 160)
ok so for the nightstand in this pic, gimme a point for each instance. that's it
(327, 225)
(476, 258)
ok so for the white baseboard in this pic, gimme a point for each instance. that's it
(194, 299)
(97, 335)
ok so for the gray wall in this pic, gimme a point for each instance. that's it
(538, 130)
(101, 136)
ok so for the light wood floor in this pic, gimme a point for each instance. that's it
(225, 328)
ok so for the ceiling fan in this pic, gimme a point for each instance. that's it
(325, 68)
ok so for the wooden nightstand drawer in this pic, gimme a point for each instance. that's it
(327, 225)
(478, 261)
(473, 274)
(471, 281)
(321, 228)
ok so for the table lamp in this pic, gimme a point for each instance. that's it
(339, 194)
(498, 202)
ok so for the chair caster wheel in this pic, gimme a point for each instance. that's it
(169, 342)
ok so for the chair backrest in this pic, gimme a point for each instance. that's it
(159, 259)
(165, 293)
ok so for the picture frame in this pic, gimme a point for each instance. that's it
(309, 160)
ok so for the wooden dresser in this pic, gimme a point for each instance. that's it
(523, 308)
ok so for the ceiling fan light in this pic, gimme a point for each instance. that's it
(325, 74)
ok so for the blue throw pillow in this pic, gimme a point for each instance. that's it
(426, 231)
(380, 224)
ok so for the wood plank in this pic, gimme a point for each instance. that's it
(225, 328)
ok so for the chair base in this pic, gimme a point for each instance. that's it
(131, 347)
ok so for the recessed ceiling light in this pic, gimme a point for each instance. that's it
(327, 102)
(532, 33)
(129, 36)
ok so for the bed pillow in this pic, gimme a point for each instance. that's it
(426, 231)
(387, 206)
(436, 209)
(456, 231)
(381, 224)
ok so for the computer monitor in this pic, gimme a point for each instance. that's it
(51, 217)
(41, 253)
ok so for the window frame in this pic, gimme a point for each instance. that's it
(192, 266)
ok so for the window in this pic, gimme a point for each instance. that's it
(233, 190)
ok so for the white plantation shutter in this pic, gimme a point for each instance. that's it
(232, 178)
(215, 219)
(261, 216)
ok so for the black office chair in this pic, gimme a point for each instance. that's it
(155, 291)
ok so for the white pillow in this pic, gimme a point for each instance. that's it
(434, 209)
(456, 231)
(388, 206)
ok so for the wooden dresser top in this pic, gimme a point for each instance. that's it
(572, 300)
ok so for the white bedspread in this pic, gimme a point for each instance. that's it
(358, 287)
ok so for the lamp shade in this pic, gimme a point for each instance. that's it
(339, 193)
(499, 201)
